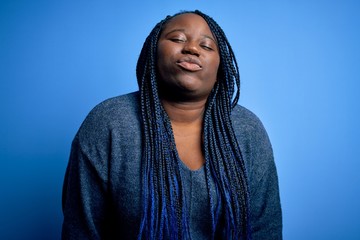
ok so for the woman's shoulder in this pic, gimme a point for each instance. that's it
(244, 119)
(253, 140)
(119, 113)
(250, 132)
(119, 106)
(116, 108)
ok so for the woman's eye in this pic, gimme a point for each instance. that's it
(206, 47)
(177, 40)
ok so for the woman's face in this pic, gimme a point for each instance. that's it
(187, 58)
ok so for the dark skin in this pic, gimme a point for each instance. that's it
(188, 61)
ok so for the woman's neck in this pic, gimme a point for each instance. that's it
(186, 121)
(185, 113)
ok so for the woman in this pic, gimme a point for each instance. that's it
(179, 159)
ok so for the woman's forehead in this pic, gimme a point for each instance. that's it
(187, 20)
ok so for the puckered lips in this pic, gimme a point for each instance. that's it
(190, 64)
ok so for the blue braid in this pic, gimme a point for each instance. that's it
(164, 213)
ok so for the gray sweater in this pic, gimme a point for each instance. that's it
(102, 186)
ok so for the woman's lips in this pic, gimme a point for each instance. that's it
(189, 64)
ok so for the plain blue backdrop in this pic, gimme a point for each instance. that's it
(299, 63)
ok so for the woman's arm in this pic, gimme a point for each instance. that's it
(84, 199)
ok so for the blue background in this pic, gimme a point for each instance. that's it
(299, 63)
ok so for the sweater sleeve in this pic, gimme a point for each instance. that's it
(264, 197)
(85, 201)
(84, 197)
(100, 197)
(266, 214)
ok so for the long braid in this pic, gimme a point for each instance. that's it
(234, 178)
(164, 208)
(164, 215)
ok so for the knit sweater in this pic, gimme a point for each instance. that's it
(102, 185)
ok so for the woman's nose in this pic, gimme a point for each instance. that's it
(191, 48)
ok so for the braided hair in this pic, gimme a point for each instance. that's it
(165, 214)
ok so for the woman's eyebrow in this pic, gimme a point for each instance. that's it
(209, 37)
(175, 30)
